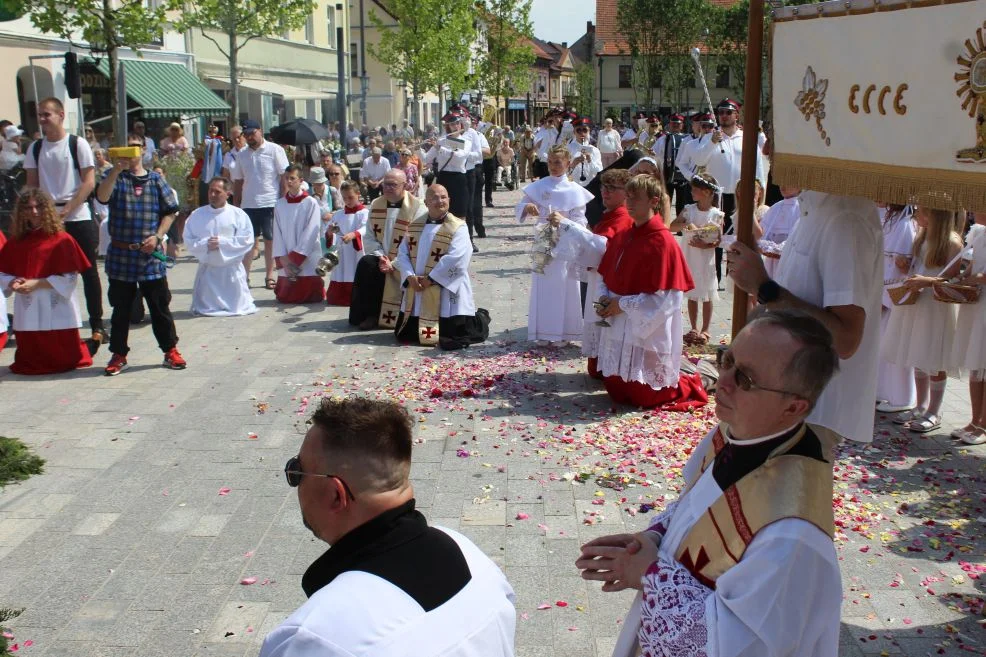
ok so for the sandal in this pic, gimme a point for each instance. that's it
(924, 424)
(703, 338)
(906, 417)
(270, 283)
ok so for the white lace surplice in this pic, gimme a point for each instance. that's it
(783, 599)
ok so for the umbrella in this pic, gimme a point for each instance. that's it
(299, 131)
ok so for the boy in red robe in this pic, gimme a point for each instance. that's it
(41, 264)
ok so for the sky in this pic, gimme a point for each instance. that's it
(561, 20)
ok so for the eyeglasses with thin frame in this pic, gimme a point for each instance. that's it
(726, 361)
(293, 473)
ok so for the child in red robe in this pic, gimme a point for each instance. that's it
(644, 278)
(40, 264)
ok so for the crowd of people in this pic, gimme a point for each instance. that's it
(629, 228)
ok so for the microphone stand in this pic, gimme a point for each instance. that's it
(696, 54)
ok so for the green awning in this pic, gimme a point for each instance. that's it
(166, 91)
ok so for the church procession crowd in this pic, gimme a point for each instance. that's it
(856, 308)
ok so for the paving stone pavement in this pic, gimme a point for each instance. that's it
(163, 490)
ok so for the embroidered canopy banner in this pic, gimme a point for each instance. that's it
(884, 99)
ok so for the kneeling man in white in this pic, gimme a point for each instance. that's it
(390, 585)
(219, 235)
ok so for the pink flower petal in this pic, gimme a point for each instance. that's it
(224, 490)
(522, 516)
(8, 635)
(561, 603)
(542, 607)
(28, 643)
(908, 621)
(246, 581)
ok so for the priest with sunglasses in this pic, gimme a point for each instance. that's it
(743, 563)
(390, 584)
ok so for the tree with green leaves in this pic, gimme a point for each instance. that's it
(231, 24)
(585, 85)
(429, 47)
(101, 25)
(659, 36)
(505, 64)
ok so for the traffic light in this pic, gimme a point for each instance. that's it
(73, 82)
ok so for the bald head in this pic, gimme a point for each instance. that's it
(394, 184)
(437, 201)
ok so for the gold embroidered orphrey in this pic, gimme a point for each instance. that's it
(972, 90)
(411, 208)
(785, 486)
(431, 298)
(810, 101)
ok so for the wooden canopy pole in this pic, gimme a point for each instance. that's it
(751, 127)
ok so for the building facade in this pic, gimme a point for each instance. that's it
(33, 63)
(292, 75)
(604, 47)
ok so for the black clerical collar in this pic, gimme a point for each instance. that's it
(399, 547)
(736, 459)
(394, 205)
(440, 220)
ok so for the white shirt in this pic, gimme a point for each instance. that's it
(260, 170)
(585, 171)
(609, 141)
(685, 162)
(724, 160)
(57, 174)
(476, 142)
(834, 257)
(374, 170)
(360, 614)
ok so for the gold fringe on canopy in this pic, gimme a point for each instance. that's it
(933, 188)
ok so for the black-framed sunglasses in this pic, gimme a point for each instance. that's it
(726, 361)
(293, 473)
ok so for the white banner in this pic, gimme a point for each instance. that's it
(882, 100)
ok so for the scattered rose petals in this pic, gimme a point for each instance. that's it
(561, 603)
(522, 516)
(247, 581)
(225, 490)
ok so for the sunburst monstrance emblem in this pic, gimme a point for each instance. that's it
(972, 90)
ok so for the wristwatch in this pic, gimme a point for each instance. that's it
(768, 292)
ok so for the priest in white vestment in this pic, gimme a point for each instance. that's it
(742, 564)
(555, 310)
(433, 263)
(219, 235)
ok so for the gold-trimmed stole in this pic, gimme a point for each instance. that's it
(785, 486)
(431, 298)
(390, 305)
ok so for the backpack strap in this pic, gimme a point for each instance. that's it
(73, 148)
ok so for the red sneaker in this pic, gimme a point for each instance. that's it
(116, 365)
(173, 360)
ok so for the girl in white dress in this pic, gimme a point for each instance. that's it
(969, 347)
(346, 230)
(895, 390)
(920, 335)
(700, 253)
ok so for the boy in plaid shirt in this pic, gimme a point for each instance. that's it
(142, 208)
